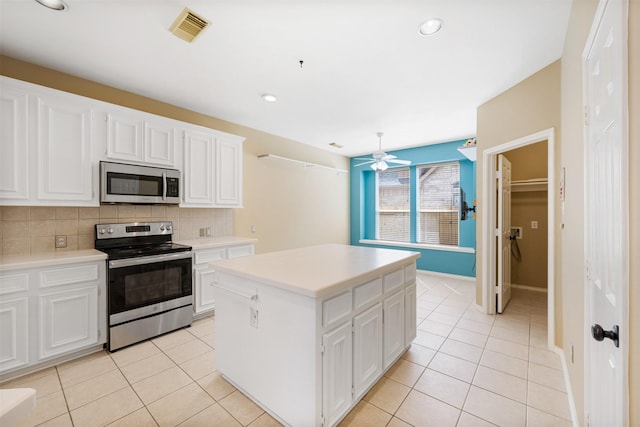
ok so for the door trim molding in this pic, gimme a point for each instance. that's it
(489, 260)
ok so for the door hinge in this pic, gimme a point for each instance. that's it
(498, 232)
(321, 348)
(321, 420)
(353, 391)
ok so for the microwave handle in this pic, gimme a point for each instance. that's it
(164, 186)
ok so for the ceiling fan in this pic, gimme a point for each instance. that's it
(380, 160)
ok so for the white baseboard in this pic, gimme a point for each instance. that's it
(529, 288)
(567, 383)
(447, 275)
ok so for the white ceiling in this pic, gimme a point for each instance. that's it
(366, 68)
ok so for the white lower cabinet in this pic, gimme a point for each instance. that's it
(410, 313)
(14, 334)
(336, 373)
(394, 327)
(204, 276)
(68, 313)
(367, 349)
(68, 320)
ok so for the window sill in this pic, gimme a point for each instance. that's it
(419, 246)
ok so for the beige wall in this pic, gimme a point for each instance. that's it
(531, 106)
(530, 162)
(289, 206)
(531, 270)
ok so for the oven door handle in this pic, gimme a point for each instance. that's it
(119, 263)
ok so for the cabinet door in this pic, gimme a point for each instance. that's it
(64, 150)
(198, 169)
(204, 290)
(367, 349)
(228, 172)
(336, 373)
(14, 144)
(393, 327)
(68, 320)
(14, 336)
(410, 314)
(159, 143)
(125, 137)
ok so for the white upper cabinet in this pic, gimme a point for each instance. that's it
(134, 136)
(52, 141)
(212, 169)
(199, 150)
(229, 172)
(14, 148)
(64, 150)
(45, 147)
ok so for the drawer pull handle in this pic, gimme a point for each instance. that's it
(253, 297)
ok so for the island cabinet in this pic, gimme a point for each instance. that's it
(307, 332)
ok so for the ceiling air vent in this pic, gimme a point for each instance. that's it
(188, 25)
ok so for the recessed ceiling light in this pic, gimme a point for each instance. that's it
(430, 26)
(269, 98)
(53, 4)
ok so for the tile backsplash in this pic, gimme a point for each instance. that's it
(28, 230)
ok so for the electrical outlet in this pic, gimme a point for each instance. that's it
(253, 317)
(253, 229)
(517, 232)
(534, 225)
(61, 241)
(207, 231)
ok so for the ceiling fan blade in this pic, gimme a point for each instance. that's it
(389, 156)
(399, 162)
(365, 163)
(363, 158)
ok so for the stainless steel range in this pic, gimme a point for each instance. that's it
(149, 289)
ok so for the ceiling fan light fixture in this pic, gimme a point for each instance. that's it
(269, 97)
(430, 27)
(53, 4)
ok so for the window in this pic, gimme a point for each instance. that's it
(393, 210)
(434, 209)
(438, 203)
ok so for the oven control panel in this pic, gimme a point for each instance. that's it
(134, 229)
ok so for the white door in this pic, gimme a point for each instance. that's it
(367, 349)
(393, 323)
(606, 229)
(337, 373)
(503, 288)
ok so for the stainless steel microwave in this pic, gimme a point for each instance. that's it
(124, 183)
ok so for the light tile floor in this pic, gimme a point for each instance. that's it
(464, 369)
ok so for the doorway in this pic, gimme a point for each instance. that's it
(489, 244)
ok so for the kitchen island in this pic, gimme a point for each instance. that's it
(305, 333)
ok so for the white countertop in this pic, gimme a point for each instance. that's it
(213, 242)
(317, 271)
(18, 262)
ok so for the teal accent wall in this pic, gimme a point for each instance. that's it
(363, 207)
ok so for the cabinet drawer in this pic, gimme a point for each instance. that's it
(393, 280)
(207, 255)
(14, 283)
(366, 293)
(410, 273)
(68, 275)
(240, 251)
(336, 309)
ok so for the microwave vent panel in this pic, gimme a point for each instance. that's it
(188, 25)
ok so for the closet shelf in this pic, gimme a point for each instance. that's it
(535, 184)
(301, 163)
